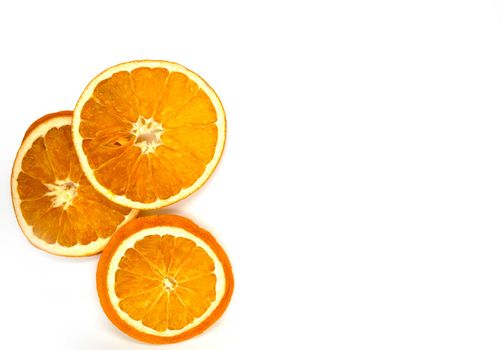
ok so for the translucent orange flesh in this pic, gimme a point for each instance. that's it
(165, 282)
(187, 140)
(52, 160)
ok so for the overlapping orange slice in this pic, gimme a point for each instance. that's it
(148, 133)
(57, 208)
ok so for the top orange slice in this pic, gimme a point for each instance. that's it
(148, 133)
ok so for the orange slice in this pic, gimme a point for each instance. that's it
(148, 133)
(163, 279)
(57, 208)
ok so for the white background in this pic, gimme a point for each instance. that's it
(360, 192)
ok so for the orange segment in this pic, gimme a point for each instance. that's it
(57, 208)
(138, 305)
(114, 172)
(29, 187)
(157, 317)
(148, 85)
(182, 90)
(197, 141)
(117, 97)
(33, 210)
(162, 279)
(194, 110)
(99, 122)
(59, 147)
(36, 163)
(148, 133)
(166, 179)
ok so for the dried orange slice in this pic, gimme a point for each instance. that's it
(57, 208)
(163, 279)
(148, 133)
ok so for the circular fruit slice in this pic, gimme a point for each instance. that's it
(148, 133)
(57, 208)
(163, 279)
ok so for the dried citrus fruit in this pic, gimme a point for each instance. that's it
(148, 133)
(57, 208)
(163, 279)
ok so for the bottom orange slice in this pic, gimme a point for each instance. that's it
(57, 208)
(163, 279)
